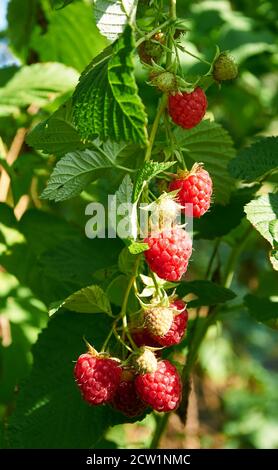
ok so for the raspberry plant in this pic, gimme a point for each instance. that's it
(135, 299)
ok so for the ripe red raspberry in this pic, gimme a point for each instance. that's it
(187, 109)
(126, 398)
(169, 252)
(195, 187)
(141, 337)
(161, 389)
(97, 377)
(178, 326)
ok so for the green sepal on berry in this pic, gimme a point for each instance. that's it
(224, 67)
(167, 81)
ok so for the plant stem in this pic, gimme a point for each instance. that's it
(196, 341)
(107, 339)
(161, 423)
(173, 16)
(172, 9)
(157, 289)
(163, 101)
(160, 111)
(148, 36)
(123, 313)
(232, 260)
(211, 260)
(117, 336)
(195, 56)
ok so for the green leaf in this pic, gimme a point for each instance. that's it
(56, 134)
(59, 271)
(150, 288)
(135, 248)
(115, 149)
(9, 232)
(255, 161)
(106, 101)
(23, 171)
(66, 268)
(6, 74)
(129, 219)
(57, 4)
(262, 309)
(208, 293)
(126, 261)
(90, 299)
(273, 256)
(50, 255)
(124, 193)
(210, 144)
(77, 169)
(146, 173)
(9, 110)
(38, 84)
(24, 316)
(50, 412)
(262, 213)
(273, 230)
(61, 41)
(21, 21)
(220, 220)
(112, 16)
(73, 173)
(43, 230)
(116, 293)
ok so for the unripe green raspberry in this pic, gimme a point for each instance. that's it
(158, 320)
(152, 51)
(165, 81)
(145, 361)
(224, 68)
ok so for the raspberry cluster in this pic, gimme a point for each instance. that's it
(147, 380)
(142, 378)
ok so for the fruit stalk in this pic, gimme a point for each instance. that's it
(123, 313)
(159, 113)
